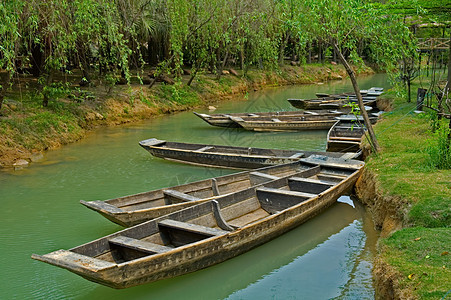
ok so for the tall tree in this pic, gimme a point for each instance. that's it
(343, 24)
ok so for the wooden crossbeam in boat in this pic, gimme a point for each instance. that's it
(199, 229)
(139, 245)
(330, 178)
(179, 195)
(308, 185)
(297, 155)
(204, 148)
(285, 192)
(218, 217)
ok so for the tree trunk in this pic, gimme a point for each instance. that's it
(366, 119)
(409, 82)
(3, 88)
(48, 82)
(193, 74)
(221, 65)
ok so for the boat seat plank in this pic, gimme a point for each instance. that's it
(297, 155)
(139, 245)
(308, 185)
(179, 195)
(286, 192)
(204, 148)
(329, 178)
(191, 227)
(275, 200)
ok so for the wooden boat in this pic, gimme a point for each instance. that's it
(290, 123)
(228, 156)
(134, 209)
(345, 136)
(369, 94)
(207, 233)
(320, 103)
(224, 120)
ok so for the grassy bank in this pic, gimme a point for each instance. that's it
(412, 206)
(26, 127)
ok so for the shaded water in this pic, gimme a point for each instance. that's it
(327, 257)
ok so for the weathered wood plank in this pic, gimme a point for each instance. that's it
(139, 245)
(308, 185)
(199, 229)
(179, 196)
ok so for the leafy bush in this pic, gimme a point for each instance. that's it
(439, 148)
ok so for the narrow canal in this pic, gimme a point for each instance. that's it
(327, 257)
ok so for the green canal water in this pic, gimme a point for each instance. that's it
(327, 257)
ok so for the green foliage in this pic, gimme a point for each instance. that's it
(439, 148)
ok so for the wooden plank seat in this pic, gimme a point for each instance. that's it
(330, 178)
(308, 185)
(172, 194)
(139, 245)
(204, 148)
(183, 226)
(275, 200)
(345, 138)
(297, 155)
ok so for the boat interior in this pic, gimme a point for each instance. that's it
(213, 218)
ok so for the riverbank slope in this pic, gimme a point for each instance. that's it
(410, 201)
(27, 129)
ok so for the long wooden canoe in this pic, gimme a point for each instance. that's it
(286, 123)
(134, 209)
(345, 136)
(320, 103)
(228, 156)
(207, 233)
(225, 120)
(369, 94)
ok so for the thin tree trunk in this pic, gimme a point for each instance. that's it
(366, 119)
(193, 74)
(48, 82)
(221, 66)
(3, 88)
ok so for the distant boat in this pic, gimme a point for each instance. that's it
(321, 103)
(228, 156)
(224, 120)
(290, 123)
(345, 136)
(370, 94)
(208, 233)
(138, 208)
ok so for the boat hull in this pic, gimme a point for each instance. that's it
(198, 255)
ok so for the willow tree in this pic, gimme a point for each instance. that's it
(10, 41)
(342, 24)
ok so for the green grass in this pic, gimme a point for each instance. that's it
(421, 255)
(404, 169)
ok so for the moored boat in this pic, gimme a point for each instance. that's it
(134, 209)
(228, 156)
(291, 123)
(207, 233)
(345, 136)
(321, 103)
(225, 120)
